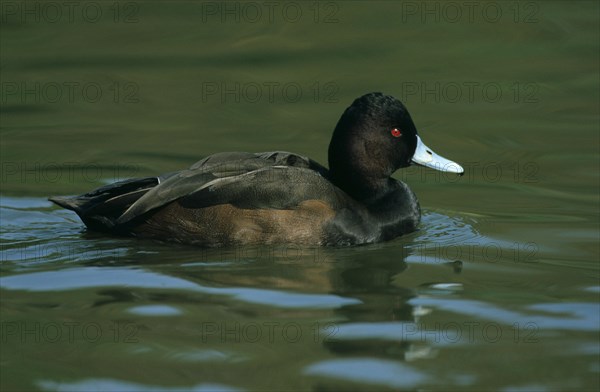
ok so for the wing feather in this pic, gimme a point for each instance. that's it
(231, 177)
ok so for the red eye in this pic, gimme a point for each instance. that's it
(396, 132)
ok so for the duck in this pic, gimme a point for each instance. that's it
(278, 197)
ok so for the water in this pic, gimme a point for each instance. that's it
(497, 290)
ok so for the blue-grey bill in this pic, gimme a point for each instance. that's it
(426, 157)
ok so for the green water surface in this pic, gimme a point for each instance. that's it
(498, 290)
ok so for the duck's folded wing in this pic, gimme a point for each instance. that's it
(234, 170)
(273, 187)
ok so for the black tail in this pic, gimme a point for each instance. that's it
(100, 208)
(70, 203)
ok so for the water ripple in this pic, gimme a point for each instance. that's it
(110, 385)
(88, 277)
(369, 370)
(581, 316)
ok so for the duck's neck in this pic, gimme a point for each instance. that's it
(392, 203)
(360, 187)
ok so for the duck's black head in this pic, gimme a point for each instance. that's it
(375, 137)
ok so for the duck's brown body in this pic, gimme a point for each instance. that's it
(226, 224)
(234, 199)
